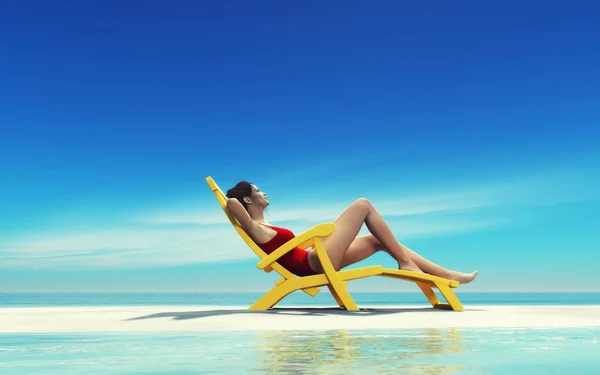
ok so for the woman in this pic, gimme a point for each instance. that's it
(247, 203)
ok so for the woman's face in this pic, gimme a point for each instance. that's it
(259, 197)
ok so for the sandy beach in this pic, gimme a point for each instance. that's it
(234, 318)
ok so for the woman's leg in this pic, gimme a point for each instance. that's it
(365, 246)
(347, 227)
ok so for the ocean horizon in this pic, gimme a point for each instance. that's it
(58, 299)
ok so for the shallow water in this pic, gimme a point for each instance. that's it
(423, 352)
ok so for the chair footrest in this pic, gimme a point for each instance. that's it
(419, 277)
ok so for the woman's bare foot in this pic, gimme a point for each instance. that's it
(463, 278)
(409, 265)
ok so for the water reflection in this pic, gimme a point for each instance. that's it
(422, 352)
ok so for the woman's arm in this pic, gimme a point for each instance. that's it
(239, 212)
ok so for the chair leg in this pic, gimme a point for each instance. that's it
(452, 299)
(271, 298)
(429, 293)
(335, 295)
(344, 296)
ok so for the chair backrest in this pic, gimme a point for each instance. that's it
(222, 199)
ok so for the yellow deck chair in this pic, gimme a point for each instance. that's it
(334, 280)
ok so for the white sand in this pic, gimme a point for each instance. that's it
(232, 318)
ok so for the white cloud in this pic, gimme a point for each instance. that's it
(535, 190)
(124, 248)
(150, 247)
(184, 238)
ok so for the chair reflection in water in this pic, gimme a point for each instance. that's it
(365, 351)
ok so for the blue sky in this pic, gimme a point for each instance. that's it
(474, 129)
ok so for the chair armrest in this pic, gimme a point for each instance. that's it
(318, 231)
(308, 244)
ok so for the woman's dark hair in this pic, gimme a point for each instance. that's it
(239, 191)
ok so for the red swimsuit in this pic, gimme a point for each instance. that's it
(296, 260)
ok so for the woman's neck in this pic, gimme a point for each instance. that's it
(257, 216)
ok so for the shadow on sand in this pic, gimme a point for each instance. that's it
(312, 311)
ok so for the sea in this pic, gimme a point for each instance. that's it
(503, 351)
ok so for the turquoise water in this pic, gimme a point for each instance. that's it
(298, 298)
(423, 352)
(420, 352)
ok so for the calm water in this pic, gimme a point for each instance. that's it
(419, 352)
(298, 298)
(423, 352)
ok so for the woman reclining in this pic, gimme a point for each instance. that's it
(247, 203)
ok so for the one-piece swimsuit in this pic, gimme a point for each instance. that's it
(296, 260)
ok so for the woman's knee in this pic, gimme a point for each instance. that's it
(363, 203)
